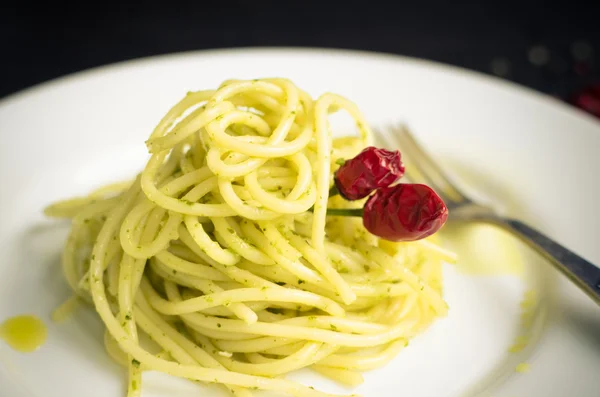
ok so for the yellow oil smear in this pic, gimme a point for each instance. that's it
(24, 333)
(522, 368)
(527, 315)
(483, 249)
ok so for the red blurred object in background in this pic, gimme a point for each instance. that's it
(588, 99)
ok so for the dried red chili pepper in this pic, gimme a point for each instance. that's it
(404, 212)
(371, 169)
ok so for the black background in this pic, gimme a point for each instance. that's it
(44, 40)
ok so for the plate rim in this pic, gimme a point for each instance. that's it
(327, 52)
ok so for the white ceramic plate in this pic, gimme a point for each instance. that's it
(532, 156)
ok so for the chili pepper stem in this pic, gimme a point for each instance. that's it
(345, 212)
(342, 211)
(333, 191)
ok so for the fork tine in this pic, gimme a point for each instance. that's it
(411, 173)
(425, 167)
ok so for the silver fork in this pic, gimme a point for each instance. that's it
(581, 272)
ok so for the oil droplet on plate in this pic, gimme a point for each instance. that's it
(24, 333)
(522, 368)
(484, 249)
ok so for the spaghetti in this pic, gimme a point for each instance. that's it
(222, 253)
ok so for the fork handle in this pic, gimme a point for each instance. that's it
(581, 272)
